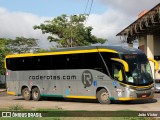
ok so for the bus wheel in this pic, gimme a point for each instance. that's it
(36, 94)
(26, 94)
(103, 97)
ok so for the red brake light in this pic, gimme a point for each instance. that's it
(7, 73)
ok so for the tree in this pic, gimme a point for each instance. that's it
(23, 45)
(18, 45)
(4, 50)
(69, 31)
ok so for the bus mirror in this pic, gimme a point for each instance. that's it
(155, 63)
(125, 64)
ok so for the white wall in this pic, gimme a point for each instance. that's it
(157, 53)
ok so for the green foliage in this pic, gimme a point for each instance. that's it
(4, 50)
(69, 31)
(23, 45)
(45, 50)
(17, 45)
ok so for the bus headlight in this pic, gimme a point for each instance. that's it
(153, 88)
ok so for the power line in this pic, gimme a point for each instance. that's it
(85, 12)
(86, 7)
(90, 8)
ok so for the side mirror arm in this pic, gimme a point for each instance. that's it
(125, 64)
(155, 63)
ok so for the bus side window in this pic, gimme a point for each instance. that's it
(117, 72)
(59, 62)
(10, 63)
(93, 61)
(43, 62)
(74, 61)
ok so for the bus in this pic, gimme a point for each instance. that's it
(157, 75)
(105, 73)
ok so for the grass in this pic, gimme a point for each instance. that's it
(16, 107)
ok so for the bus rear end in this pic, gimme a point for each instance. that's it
(12, 82)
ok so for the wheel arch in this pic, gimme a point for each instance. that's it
(36, 86)
(25, 86)
(36, 95)
(30, 88)
(103, 87)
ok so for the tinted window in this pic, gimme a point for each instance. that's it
(30, 63)
(19, 63)
(43, 62)
(74, 61)
(118, 72)
(107, 58)
(93, 61)
(59, 62)
(10, 64)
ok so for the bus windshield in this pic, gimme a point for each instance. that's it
(140, 73)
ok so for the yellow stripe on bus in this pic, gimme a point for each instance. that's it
(125, 99)
(11, 93)
(155, 62)
(61, 53)
(81, 97)
(5, 63)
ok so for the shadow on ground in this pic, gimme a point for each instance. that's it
(148, 101)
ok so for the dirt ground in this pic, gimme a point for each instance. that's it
(73, 104)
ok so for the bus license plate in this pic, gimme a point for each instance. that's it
(144, 96)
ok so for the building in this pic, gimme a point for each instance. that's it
(147, 30)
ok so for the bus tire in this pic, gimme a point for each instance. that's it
(103, 96)
(36, 94)
(26, 94)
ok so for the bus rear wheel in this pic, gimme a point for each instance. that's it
(103, 96)
(36, 94)
(26, 94)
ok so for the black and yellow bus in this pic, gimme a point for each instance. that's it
(105, 73)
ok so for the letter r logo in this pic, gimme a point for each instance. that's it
(87, 78)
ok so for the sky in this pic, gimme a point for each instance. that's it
(107, 17)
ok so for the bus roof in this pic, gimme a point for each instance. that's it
(84, 49)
